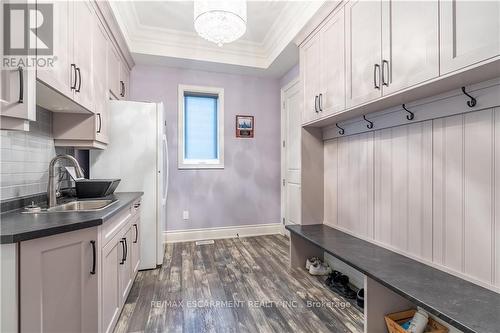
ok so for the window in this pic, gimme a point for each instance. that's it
(201, 132)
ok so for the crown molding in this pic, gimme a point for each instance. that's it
(143, 39)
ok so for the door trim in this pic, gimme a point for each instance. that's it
(283, 90)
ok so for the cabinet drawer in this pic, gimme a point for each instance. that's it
(112, 227)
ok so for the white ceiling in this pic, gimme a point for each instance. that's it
(162, 32)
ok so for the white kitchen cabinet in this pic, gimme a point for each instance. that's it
(410, 39)
(135, 253)
(470, 33)
(18, 94)
(72, 74)
(112, 255)
(59, 283)
(364, 51)
(114, 69)
(310, 72)
(125, 266)
(82, 44)
(332, 89)
(89, 130)
(61, 76)
(101, 119)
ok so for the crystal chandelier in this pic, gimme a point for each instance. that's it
(220, 22)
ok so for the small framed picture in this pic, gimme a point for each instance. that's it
(244, 126)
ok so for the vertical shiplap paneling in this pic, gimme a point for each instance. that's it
(420, 190)
(355, 179)
(496, 196)
(478, 194)
(383, 186)
(403, 188)
(331, 181)
(448, 192)
(399, 204)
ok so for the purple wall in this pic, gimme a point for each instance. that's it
(247, 190)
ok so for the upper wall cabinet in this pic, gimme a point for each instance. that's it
(470, 33)
(72, 74)
(395, 52)
(310, 71)
(118, 75)
(364, 51)
(410, 43)
(323, 70)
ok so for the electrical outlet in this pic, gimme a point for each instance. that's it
(185, 215)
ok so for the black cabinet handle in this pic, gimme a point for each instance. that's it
(137, 205)
(375, 69)
(320, 102)
(384, 82)
(126, 248)
(93, 257)
(136, 232)
(79, 79)
(21, 84)
(100, 122)
(123, 251)
(73, 85)
(122, 88)
(316, 103)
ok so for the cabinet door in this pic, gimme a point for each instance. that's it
(310, 59)
(124, 81)
(136, 246)
(18, 102)
(99, 64)
(61, 75)
(112, 254)
(410, 43)
(364, 48)
(82, 43)
(114, 68)
(333, 65)
(470, 33)
(58, 292)
(125, 267)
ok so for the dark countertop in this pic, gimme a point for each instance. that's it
(465, 305)
(16, 226)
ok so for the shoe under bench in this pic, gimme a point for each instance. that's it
(395, 283)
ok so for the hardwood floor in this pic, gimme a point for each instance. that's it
(234, 285)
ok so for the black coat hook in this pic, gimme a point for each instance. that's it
(341, 132)
(410, 115)
(472, 102)
(370, 123)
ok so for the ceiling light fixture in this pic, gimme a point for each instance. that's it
(220, 22)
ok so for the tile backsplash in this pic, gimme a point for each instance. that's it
(25, 157)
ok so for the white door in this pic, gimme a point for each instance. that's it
(364, 51)
(332, 97)
(310, 59)
(291, 134)
(409, 60)
(470, 33)
(99, 45)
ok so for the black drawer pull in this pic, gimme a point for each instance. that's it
(123, 251)
(93, 257)
(73, 85)
(126, 249)
(79, 79)
(21, 85)
(136, 232)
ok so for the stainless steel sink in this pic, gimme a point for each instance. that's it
(82, 206)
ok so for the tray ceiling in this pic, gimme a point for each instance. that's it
(165, 29)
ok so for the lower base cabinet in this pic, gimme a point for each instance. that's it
(79, 281)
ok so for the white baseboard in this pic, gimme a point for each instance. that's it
(190, 235)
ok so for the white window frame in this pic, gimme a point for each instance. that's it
(200, 164)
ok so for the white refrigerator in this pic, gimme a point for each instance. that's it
(137, 154)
